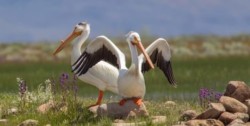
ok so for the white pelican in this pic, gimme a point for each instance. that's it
(101, 75)
(130, 82)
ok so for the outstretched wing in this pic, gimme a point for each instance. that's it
(160, 54)
(100, 49)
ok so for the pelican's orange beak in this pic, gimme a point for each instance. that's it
(140, 46)
(65, 42)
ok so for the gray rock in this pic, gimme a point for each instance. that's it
(227, 117)
(243, 116)
(213, 112)
(233, 105)
(29, 122)
(187, 115)
(238, 90)
(237, 122)
(116, 111)
(207, 122)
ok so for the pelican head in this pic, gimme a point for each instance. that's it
(80, 28)
(133, 38)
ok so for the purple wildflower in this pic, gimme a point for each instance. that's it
(22, 88)
(64, 77)
(208, 95)
(218, 95)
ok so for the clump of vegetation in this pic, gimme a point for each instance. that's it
(63, 92)
(207, 96)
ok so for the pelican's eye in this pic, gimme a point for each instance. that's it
(135, 40)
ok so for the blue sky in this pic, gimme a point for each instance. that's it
(52, 20)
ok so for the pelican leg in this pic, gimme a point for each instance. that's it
(122, 102)
(137, 101)
(99, 100)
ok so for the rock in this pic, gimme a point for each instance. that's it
(233, 105)
(238, 90)
(44, 108)
(227, 117)
(247, 103)
(170, 103)
(207, 122)
(3, 122)
(243, 116)
(29, 122)
(213, 112)
(187, 115)
(237, 122)
(12, 111)
(116, 111)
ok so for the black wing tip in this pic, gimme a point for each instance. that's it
(170, 75)
(174, 84)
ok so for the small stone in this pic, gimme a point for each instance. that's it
(170, 103)
(243, 116)
(238, 90)
(227, 117)
(29, 122)
(233, 105)
(237, 122)
(213, 112)
(3, 121)
(12, 111)
(207, 122)
(187, 115)
(44, 108)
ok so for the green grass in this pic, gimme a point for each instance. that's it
(190, 74)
